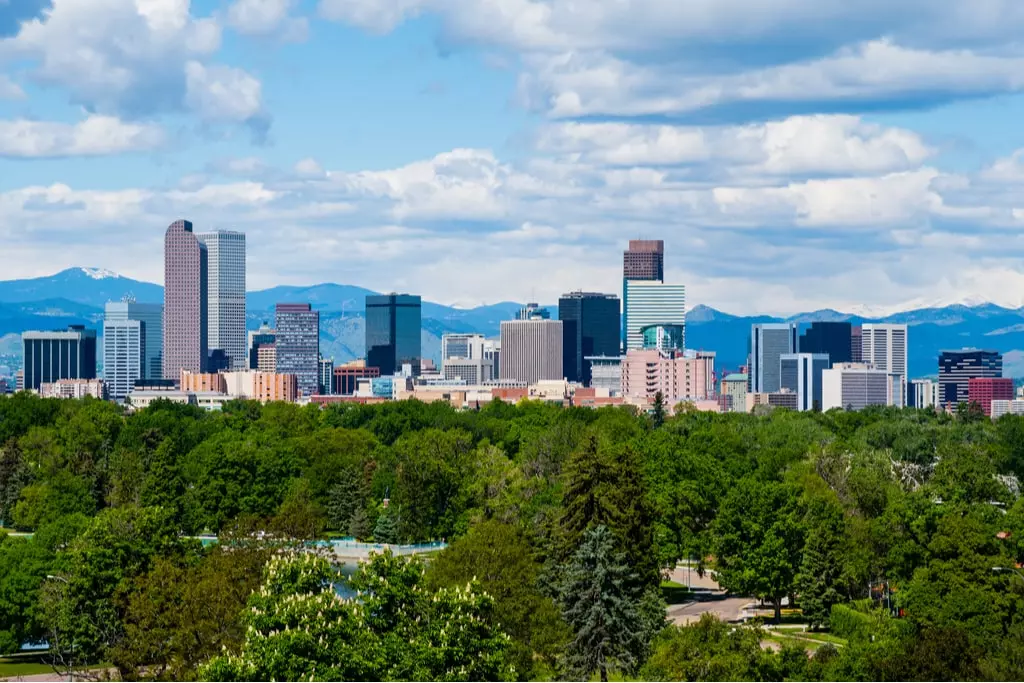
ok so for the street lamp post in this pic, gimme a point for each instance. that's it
(71, 670)
(1009, 569)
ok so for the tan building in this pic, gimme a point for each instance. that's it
(734, 386)
(274, 386)
(677, 376)
(266, 358)
(245, 384)
(73, 388)
(202, 381)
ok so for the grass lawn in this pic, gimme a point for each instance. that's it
(675, 593)
(24, 664)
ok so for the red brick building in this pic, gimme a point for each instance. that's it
(984, 390)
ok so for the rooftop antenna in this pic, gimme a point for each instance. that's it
(128, 298)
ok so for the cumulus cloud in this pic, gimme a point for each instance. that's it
(93, 136)
(267, 18)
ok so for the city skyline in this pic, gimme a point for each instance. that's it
(502, 136)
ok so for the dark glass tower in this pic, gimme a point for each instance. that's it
(393, 323)
(957, 368)
(590, 327)
(833, 338)
(62, 354)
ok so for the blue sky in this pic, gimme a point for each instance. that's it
(793, 154)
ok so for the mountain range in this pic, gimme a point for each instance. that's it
(77, 295)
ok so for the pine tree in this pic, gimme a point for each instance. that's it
(386, 530)
(343, 499)
(586, 500)
(601, 608)
(820, 578)
(359, 526)
(658, 410)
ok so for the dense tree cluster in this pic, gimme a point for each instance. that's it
(883, 526)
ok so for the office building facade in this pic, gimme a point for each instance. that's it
(185, 312)
(834, 339)
(922, 394)
(60, 354)
(855, 386)
(734, 388)
(531, 350)
(393, 332)
(590, 327)
(264, 336)
(644, 260)
(297, 345)
(676, 376)
(652, 303)
(958, 368)
(124, 343)
(884, 345)
(606, 373)
(801, 374)
(326, 376)
(768, 343)
(225, 294)
(151, 316)
(664, 337)
(984, 390)
(346, 377)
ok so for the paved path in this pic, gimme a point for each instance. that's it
(710, 599)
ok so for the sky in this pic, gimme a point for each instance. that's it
(793, 154)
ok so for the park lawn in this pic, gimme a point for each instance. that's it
(30, 664)
(675, 593)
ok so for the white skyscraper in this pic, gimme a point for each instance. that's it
(885, 347)
(650, 302)
(226, 294)
(531, 350)
(152, 318)
(124, 355)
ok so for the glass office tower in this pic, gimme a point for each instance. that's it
(393, 324)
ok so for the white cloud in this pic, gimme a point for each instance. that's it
(223, 93)
(9, 90)
(95, 135)
(267, 17)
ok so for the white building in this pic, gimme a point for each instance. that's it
(1001, 407)
(73, 388)
(650, 302)
(854, 386)
(468, 357)
(884, 345)
(226, 294)
(531, 350)
(124, 342)
(923, 393)
(152, 318)
(606, 373)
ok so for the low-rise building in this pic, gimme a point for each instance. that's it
(734, 386)
(676, 376)
(855, 386)
(606, 373)
(73, 388)
(984, 390)
(1004, 407)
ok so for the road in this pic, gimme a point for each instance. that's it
(710, 599)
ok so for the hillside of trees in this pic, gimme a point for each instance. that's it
(560, 521)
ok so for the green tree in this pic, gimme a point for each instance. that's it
(710, 650)
(600, 607)
(386, 529)
(24, 564)
(344, 498)
(758, 541)
(658, 410)
(359, 527)
(500, 558)
(821, 580)
(299, 516)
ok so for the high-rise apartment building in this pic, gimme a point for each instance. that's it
(675, 375)
(649, 302)
(590, 327)
(958, 368)
(734, 388)
(855, 386)
(151, 319)
(884, 345)
(225, 294)
(801, 374)
(60, 354)
(531, 350)
(124, 343)
(644, 260)
(393, 332)
(832, 338)
(298, 345)
(768, 343)
(185, 305)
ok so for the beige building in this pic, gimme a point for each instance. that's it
(677, 376)
(73, 388)
(531, 350)
(245, 384)
(266, 358)
(735, 387)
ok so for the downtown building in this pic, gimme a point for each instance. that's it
(61, 354)
(467, 358)
(958, 368)
(590, 327)
(678, 376)
(884, 346)
(225, 295)
(297, 345)
(531, 350)
(835, 339)
(855, 386)
(652, 303)
(769, 342)
(393, 332)
(185, 312)
(983, 391)
(923, 393)
(262, 354)
(132, 346)
(643, 261)
(800, 373)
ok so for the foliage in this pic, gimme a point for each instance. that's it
(24, 565)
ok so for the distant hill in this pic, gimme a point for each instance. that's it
(77, 296)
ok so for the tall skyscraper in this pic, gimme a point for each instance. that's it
(832, 338)
(650, 302)
(151, 317)
(531, 350)
(225, 282)
(768, 343)
(884, 345)
(393, 329)
(185, 306)
(60, 354)
(801, 374)
(124, 343)
(958, 368)
(590, 327)
(643, 261)
(298, 345)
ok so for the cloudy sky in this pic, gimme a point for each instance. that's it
(793, 154)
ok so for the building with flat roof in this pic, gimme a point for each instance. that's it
(467, 357)
(590, 327)
(225, 287)
(734, 385)
(855, 386)
(834, 339)
(346, 377)
(531, 350)
(958, 368)
(884, 345)
(393, 332)
(676, 376)
(768, 343)
(1004, 407)
(151, 317)
(73, 388)
(297, 345)
(649, 302)
(923, 393)
(58, 354)
(984, 390)
(124, 344)
(801, 374)
(264, 336)
(606, 373)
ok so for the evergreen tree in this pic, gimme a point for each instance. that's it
(359, 526)
(343, 499)
(386, 529)
(821, 571)
(586, 500)
(658, 410)
(599, 605)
